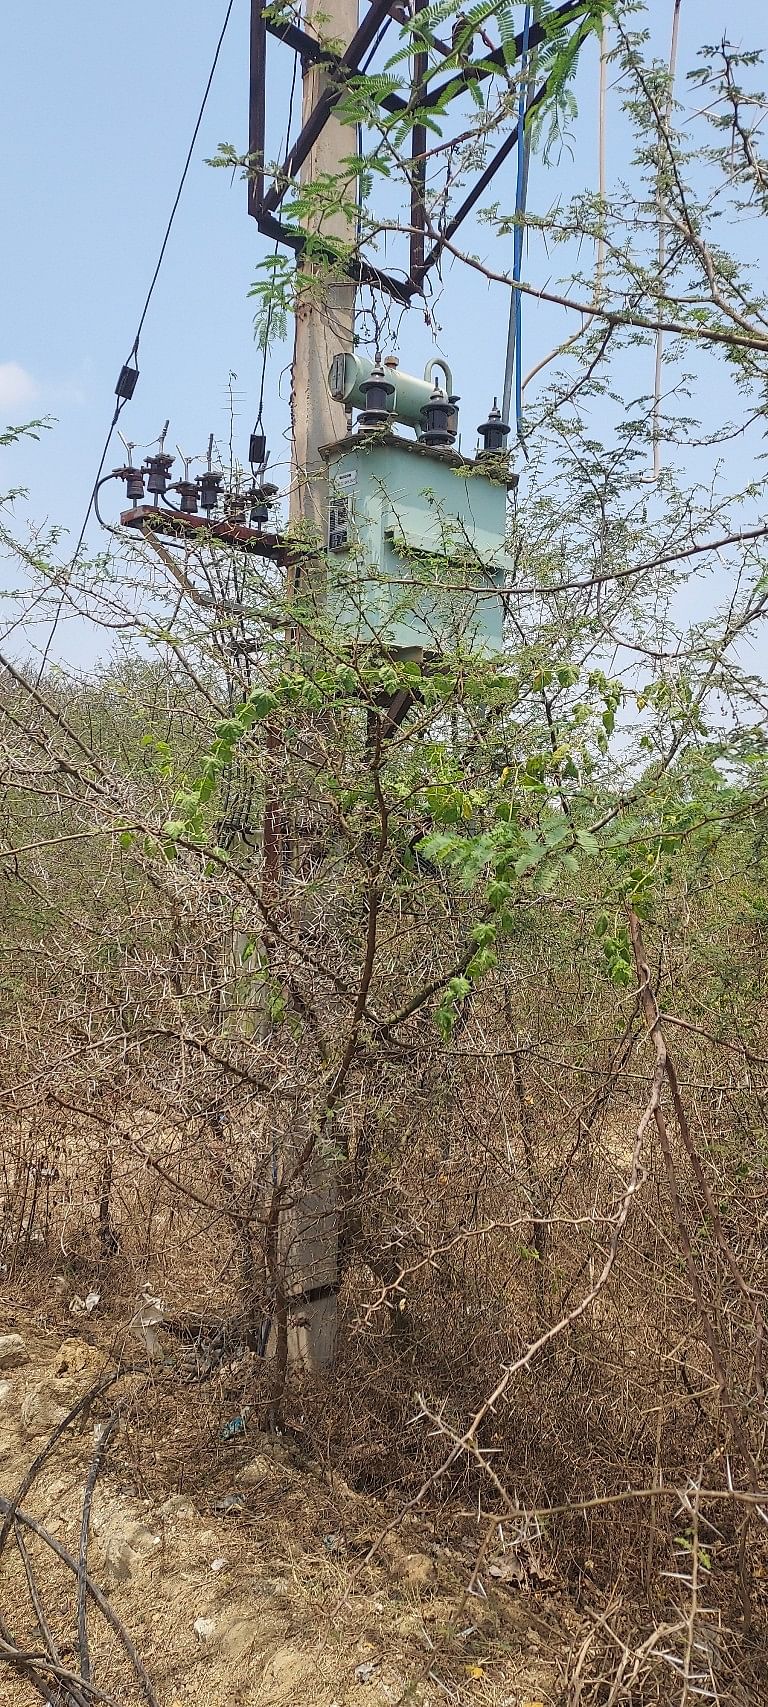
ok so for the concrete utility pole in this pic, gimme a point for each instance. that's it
(324, 325)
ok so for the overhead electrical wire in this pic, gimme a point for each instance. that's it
(183, 178)
(125, 383)
(268, 324)
(237, 787)
(514, 369)
(598, 287)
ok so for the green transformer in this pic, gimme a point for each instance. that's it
(415, 546)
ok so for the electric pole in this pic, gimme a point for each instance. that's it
(324, 325)
(335, 46)
(324, 322)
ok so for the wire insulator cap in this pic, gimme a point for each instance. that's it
(493, 432)
(134, 482)
(438, 417)
(259, 499)
(378, 392)
(234, 508)
(187, 490)
(208, 486)
(126, 382)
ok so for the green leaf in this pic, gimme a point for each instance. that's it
(557, 834)
(483, 961)
(438, 847)
(259, 704)
(532, 856)
(484, 935)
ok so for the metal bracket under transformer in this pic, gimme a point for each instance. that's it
(145, 518)
(437, 91)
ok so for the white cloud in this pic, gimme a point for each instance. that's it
(17, 387)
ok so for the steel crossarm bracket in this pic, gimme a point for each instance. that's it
(363, 272)
(346, 67)
(264, 205)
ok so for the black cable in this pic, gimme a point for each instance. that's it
(376, 45)
(113, 423)
(122, 399)
(268, 325)
(96, 490)
(182, 180)
(91, 501)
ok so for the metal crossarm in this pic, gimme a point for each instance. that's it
(265, 205)
(344, 67)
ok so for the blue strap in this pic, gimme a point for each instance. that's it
(517, 269)
(514, 339)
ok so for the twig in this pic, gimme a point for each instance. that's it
(82, 1570)
(106, 1609)
(28, 1669)
(34, 1595)
(690, 1635)
(29, 1661)
(11, 1506)
(493, 1524)
(752, 1501)
(748, 339)
(468, 1441)
(664, 1069)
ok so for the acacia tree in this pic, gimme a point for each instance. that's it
(509, 994)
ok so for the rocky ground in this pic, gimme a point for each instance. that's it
(241, 1573)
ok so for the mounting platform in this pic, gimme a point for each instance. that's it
(147, 519)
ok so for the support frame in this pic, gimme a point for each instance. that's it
(264, 205)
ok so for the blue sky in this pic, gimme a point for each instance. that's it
(97, 109)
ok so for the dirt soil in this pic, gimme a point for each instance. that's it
(239, 1567)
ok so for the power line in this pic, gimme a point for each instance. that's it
(514, 368)
(270, 305)
(182, 180)
(129, 372)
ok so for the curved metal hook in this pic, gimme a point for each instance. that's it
(437, 361)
